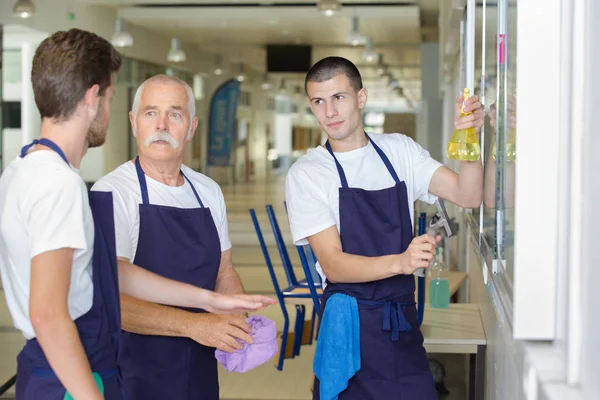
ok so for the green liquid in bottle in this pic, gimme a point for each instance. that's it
(439, 293)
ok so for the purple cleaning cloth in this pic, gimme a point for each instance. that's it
(264, 333)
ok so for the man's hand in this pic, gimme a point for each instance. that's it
(236, 303)
(220, 331)
(473, 120)
(512, 113)
(419, 254)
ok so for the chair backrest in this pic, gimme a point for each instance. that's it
(285, 258)
(263, 246)
(312, 264)
(310, 257)
(309, 279)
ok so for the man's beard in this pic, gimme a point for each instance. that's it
(97, 133)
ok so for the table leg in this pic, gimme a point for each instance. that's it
(472, 375)
(477, 374)
(481, 372)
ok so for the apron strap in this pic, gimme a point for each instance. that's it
(144, 186)
(339, 167)
(45, 142)
(193, 189)
(394, 320)
(386, 161)
(382, 155)
(142, 181)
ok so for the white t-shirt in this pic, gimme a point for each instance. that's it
(127, 197)
(43, 207)
(313, 182)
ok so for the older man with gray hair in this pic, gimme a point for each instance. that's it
(172, 221)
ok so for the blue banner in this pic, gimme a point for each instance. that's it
(222, 122)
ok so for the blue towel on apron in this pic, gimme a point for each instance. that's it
(337, 357)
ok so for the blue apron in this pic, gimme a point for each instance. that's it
(394, 364)
(183, 245)
(99, 329)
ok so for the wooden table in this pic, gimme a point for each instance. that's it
(458, 330)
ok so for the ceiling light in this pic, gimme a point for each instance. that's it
(176, 54)
(370, 54)
(354, 37)
(266, 85)
(241, 76)
(329, 7)
(218, 66)
(24, 8)
(121, 38)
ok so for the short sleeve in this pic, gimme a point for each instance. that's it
(122, 220)
(221, 222)
(307, 206)
(423, 168)
(55, 213)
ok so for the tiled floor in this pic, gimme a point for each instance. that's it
(265, 382)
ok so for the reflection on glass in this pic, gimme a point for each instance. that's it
(511, 150)
(501, 137)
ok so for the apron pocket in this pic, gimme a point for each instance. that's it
(377, 355)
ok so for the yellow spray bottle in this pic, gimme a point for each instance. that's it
(464, 144)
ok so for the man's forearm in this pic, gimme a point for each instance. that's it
(138, 316)
(145, 285)
(350, 268)
(229, 283)
(62, 346)
(470, 184)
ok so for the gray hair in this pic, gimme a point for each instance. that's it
(164, 79)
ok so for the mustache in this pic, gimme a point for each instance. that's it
(162, 136)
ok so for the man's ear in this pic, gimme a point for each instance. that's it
(193, 129)
(132, 122)
(91, 99)
(362, 97)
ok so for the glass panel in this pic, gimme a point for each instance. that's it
(510, 134)
(499, 140)
(488, 42)
(479, 77)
